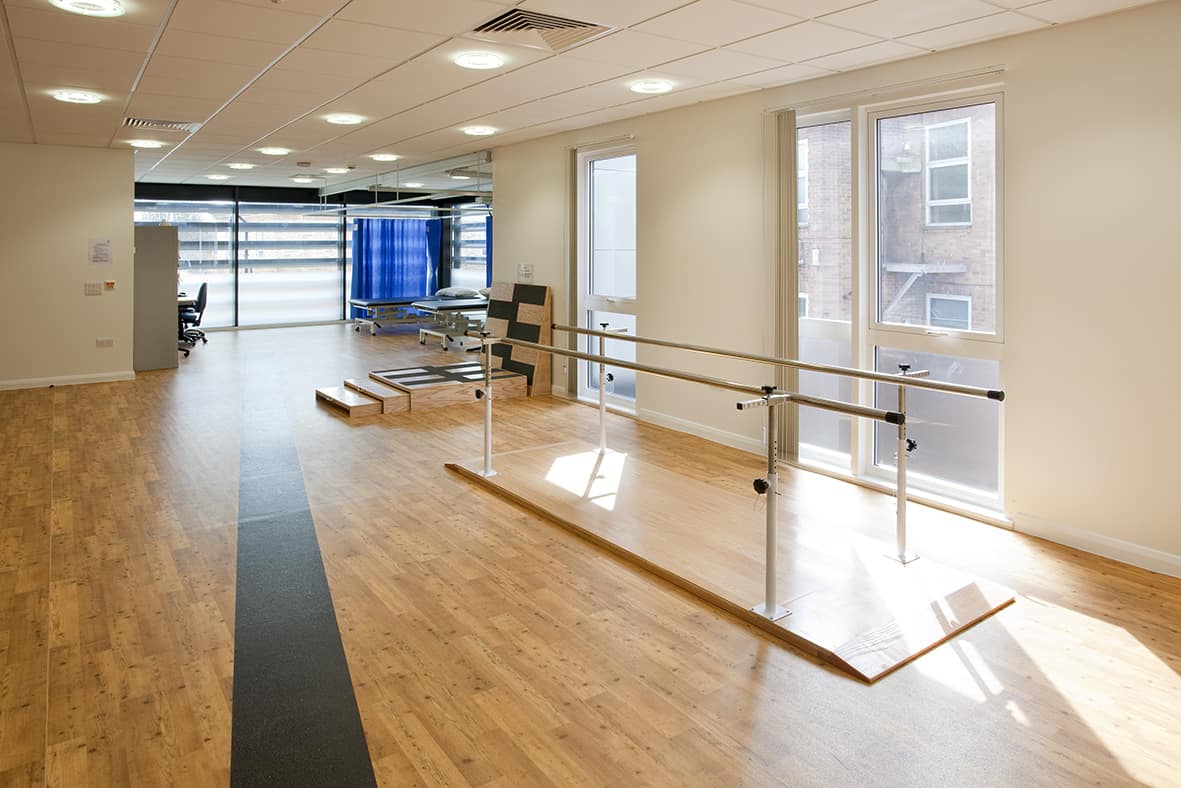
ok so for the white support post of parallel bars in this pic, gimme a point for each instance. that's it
(770, 609)
(900, 488)
(487, 473)
(603, 393)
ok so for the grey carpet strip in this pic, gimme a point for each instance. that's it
(295, 718)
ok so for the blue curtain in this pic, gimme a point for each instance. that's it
(395, 258)
(488, 246)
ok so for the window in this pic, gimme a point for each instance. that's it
(936, 209)
(607, 266)
(948, 151)
(802, 181)
(802, 302)
(949, 311)
(469, 247)
(206, 234)
(289, 264)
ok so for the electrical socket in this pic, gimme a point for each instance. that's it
(104, 342)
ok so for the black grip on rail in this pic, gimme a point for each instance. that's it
(895, 418)
(998, 395)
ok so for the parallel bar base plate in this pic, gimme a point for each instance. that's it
(903, 559)
(486, 474)
(777, 612)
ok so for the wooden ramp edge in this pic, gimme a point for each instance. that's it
(827, 622)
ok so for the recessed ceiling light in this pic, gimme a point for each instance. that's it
(302, 179)
(479, 60)
(218, 176)
(413, 185)
(274, 151)
(651, 86)
(461, 177)
(336, 170)
(479, 131)
(241, 165)
(385, 157)
(145, 143)
(344, 118)
(90, 7)
(77, 96)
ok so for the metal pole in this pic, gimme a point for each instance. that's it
(487, 472)
(770, 609)
(860, 374)
(900, 492)
(603, 392)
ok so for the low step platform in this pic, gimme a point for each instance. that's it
(351, 402)
(450, 384)
(392, 400)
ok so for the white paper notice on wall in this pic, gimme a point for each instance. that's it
(100, 252)
(92, 288)
(524, 272)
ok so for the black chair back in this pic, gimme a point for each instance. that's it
(202, 297)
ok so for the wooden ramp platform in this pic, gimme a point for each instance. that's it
(851, 605)
(351, 402)
(450, 384)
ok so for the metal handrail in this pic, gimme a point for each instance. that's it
(862, 374)
(878, 414)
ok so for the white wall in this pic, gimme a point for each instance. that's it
(54, 200)
(1092, 277)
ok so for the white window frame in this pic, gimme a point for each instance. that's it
(946, 297)
(802, 194)
(930, 165)
(584, 300)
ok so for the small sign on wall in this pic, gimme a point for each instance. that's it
(100, 252)
(525, 272)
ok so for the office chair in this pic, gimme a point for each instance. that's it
(191, 318)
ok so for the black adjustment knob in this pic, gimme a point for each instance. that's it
(911, 445)
(479, 394)
(610, 377)
(762, 486)
(904, 367)
(604, 325)
(768, 390)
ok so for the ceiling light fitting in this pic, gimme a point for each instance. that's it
(274, 151)
(479, 60)
(479, 131)
(651, 86)
(303, 179)
(90, 7)
(344, 119)
(145, 143)
(413, 185)
(241, 165)
(77, 96)
(218, 176)
(385, 156)
(336, 170)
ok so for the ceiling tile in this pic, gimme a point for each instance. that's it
(809, 9)
(783, 76)
(615, 13)
(640, 50)
(247, 119)
(693, 96)
(54, 25)
(181, 76)
(313, 7)
(375, 41)
(547, 77)
(348, 64)
(716, 22)
(165, 107)
(72, 65)
(895, 18)
(882, 52)
(216, 17)
(532, 113)
(803, 42)
(224, 49)
(719, 64)
(280, 86)
(995, 26)
(76, 139)
(444, 17)
(1059, 11)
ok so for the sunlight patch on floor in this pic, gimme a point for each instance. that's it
(590, 475)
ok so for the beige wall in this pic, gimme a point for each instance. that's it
(1092, 268)
(54, 200)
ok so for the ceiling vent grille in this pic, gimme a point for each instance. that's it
(161, 125)
(540, 31)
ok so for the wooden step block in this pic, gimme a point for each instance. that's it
(351, 402)
(392, 400)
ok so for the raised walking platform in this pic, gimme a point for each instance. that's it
(450, 384)
(852, 606)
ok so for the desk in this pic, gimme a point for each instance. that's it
(454, 317)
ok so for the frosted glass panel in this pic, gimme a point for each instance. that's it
(824, 435)
(289, 268)
(613, 227)
(624, 384)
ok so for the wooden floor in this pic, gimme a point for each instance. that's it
(851, 604)
(489, 647)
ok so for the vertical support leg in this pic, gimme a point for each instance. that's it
(487, 472)
(900, 493)
(770, 608)
(603, 392)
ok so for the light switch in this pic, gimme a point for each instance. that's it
(109, 284)
(92, 288)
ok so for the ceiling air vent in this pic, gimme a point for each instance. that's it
(161, 125)
(540, 31)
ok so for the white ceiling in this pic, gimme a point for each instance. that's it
(264, 72)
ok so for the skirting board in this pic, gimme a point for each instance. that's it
(1117, 549)
(67, 380)
(731, 439)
